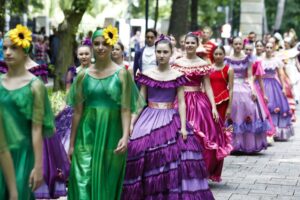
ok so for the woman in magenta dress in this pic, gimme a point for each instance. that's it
(277, 101)
(202, 113)
(164, 156)
(249, 127)
(222, 83)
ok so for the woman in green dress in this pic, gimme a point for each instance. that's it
(26, 112)
(103, 97)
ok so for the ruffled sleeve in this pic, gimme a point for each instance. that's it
(130, 96)
(40, 71)
(76, 94)
(148, 81)
(258, 69)
(41, 112)
(193, 69)
(3, 67)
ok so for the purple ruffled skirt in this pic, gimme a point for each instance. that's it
(249, 125)
(56, 169)
(55, 160)
(160, 164)
(63, 124)
(279, 108)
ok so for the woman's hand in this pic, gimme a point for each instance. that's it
(184, 134)
(266, 99)
(228, 113)
(122, 145)
(36, 178)
(253, 95)
(70, 153)
(215, 114)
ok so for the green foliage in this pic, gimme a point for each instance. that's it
(291, 17)
(19, 6)
(164, 10)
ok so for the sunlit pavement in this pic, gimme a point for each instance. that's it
(271, 174)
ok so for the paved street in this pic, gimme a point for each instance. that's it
(271, 174)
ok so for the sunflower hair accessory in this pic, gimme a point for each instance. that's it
(21, 36)
(110, 35)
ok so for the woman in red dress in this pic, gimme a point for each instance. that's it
(222, 83)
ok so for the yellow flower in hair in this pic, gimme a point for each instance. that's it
(110, 35)
(21, 36)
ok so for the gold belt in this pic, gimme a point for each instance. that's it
(192, 88)
(161, 105)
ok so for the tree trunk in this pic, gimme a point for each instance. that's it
(179, 18)
(66, 34)
(279, 14)
(194, 15)
(2, 15)
(156, 14)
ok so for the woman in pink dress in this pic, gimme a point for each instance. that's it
(202, 113)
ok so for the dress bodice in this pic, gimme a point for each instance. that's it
(239, 66)
(270, 66)
(194, 72)
(161, 91)
(219, 82)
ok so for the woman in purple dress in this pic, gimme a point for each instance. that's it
(249, 127)
(164, 156)
(278, 104)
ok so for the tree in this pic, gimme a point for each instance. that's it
(2, 14)
(179, 18)
(66, 33)
(156, 14)
(279, 14)
(194, 15)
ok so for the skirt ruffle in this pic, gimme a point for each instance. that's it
(160, 165)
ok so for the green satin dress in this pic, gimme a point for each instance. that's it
(97, 173)
(19, 109)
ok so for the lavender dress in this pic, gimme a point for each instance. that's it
(249, 125)
(160, 164)
(278, 104)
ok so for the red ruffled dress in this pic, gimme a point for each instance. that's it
(212, 135)
(219, 81)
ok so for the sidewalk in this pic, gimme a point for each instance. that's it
(270, 174)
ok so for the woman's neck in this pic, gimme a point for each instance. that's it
(163, 67)
(119, 61)
(16, 70)
(237, 54)
(102, 64)
(219, 64)
(191, 55)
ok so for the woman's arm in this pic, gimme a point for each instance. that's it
(230, 84)
(75, 122)
(251, 80)
(7, 167)
(182, 111)
(280, 76)
(210, 95)
(36, 176)
(134, 117)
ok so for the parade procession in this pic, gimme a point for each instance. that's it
(149, 100)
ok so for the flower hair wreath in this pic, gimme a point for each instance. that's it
(21, 36)
(110, 35)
